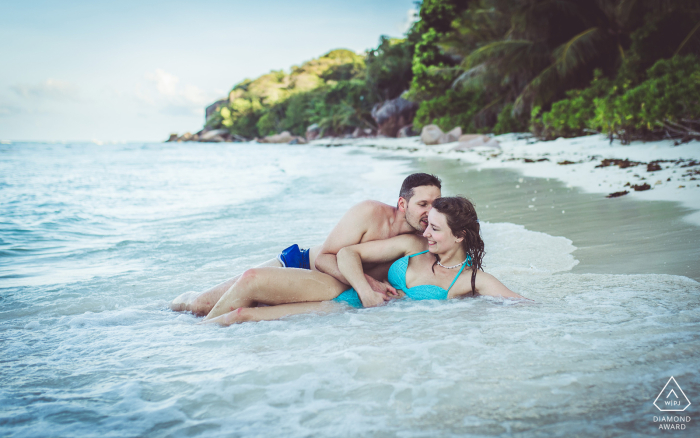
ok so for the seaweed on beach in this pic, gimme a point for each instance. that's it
(640, 188)
(622, 164)
(617, 194)
(653, 167)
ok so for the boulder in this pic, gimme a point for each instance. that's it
(469, 137)
(406, 131)
(312, 132)
(392, 114)
(210, 135)
(173, 137)
(237, 138)
(451, 136)
(185, 137)
(282, 137)
(471, 141)
(298, 140)
(430, 134)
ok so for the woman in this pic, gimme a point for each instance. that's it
(429, 268)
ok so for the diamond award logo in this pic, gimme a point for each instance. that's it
(672, 398)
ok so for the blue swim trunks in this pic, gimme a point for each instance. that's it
(293, 257)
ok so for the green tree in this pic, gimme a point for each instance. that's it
(389, 68)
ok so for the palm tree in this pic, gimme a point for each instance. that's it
(551, 46)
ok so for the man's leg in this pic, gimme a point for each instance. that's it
(245, 314)
(274, 286)
(201, 303)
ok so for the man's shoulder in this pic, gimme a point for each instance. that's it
(374, 207)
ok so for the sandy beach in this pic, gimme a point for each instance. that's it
(591, 163)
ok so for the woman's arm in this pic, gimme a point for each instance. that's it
(350, 261)
(487, 284)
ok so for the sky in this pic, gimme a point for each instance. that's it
(139, 70)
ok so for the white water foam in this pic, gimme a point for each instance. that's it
(103, 355)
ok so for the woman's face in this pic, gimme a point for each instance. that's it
(438, 233)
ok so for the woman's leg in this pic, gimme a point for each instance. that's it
(201, 303)
(245, 314)
(273, 286)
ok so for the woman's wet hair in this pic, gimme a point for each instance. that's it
(463, 222)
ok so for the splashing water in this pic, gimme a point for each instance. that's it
(96, 241)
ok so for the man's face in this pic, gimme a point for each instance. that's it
(420, 204)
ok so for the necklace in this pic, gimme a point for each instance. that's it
(455, 266)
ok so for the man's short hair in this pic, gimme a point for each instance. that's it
(417, 180)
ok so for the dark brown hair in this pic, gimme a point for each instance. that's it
(463, 222)
(416, 180)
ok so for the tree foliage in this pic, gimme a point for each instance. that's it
(562, 67)
(529, 54)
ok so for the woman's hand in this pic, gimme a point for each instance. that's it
(382, 287)
(373, 299)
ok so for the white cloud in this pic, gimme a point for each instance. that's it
(411, 17)
(50, 89)
(164, 90)
(165, 82)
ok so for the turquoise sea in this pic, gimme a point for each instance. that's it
(95, 240)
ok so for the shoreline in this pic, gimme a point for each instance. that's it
(660, 170)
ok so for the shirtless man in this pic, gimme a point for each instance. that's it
(366, 221)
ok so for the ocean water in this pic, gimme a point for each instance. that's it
(96, 240)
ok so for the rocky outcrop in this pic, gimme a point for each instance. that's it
(312, 132)
(184, 137)
(392, 115)
(283, 137)
(432, 134)
(211, 109)
(406, 131)
(360, 133)
(215, 135)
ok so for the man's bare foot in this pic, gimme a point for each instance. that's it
(183, 303)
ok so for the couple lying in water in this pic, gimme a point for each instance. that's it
(371, 244)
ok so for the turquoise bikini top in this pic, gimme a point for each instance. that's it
(397, 278)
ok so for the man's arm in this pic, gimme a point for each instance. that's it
(350, 261)
(348, 231)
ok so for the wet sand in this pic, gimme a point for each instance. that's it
(613, 236)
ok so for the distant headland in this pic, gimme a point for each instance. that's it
(630, 71)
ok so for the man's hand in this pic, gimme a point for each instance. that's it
(373, 299)
(382, 288)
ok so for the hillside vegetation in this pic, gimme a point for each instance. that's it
(627, 68)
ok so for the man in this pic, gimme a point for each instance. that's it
(366, 221)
